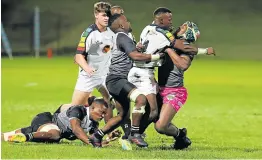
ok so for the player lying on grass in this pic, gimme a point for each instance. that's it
(73, 123)
(124, 51)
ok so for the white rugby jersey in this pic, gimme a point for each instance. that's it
(96, 47)
(154, 39)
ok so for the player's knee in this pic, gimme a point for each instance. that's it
(138, 97)
(54, 134)
(160, 127)
(141, 100)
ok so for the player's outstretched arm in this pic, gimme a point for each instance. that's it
(180, 44)
(182, 62)
(189, 49)
(78, 130)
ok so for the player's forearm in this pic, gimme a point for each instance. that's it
(80, 134)
(180, 62)
(137, 56)
(80, 60)
(179, 44)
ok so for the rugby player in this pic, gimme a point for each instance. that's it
(93, 56)
(124, 51)
(73, 123)
(154, 37)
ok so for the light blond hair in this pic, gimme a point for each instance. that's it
(102, 7)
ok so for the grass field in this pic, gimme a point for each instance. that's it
(223, 113)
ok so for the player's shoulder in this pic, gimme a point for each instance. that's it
(165, 33)
(122, 35)
(89, 30)
(77, 108)
(148, 28)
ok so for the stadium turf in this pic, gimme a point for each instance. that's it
(223, 113)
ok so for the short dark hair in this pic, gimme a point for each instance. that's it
(94, 99)
(113, 18)
(161, 10)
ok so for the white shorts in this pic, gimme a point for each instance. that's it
(143, 79)
(85, 83)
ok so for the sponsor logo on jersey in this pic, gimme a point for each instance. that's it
(106, 49)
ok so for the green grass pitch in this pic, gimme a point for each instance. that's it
(223, 113)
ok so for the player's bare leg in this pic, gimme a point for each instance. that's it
(164, 126)
(153, 106)
(80, 97)
(45, 133)
(137, 114)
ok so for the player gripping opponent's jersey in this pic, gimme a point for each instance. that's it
(154, 39)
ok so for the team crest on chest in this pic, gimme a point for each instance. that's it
(106, 49)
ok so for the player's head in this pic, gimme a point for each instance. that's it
(102, 12)
(119, 23)
(187, 31)
(98, 108)
(117, 10)
(163, 17)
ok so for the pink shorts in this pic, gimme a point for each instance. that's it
(174, 96)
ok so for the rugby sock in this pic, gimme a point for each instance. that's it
(178, 131)
(134, 130)
(126, 126)
(29, 136)
(99, 134)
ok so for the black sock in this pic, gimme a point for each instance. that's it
(99, 134)
(179, 134)
(134, 130)
(126, 126)
(29, 136)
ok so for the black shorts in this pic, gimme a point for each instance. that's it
(119, 88)
(115, 84)
(40, 119)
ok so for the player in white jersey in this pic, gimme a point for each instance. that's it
(93, 57)
(123, 91)
(73, 123)
(154, 37)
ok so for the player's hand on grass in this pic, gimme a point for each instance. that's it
(211, 51)
(105, 143)
(114, 135)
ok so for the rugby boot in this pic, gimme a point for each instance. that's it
(138, 140)
(182, 141)
(19, 137)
